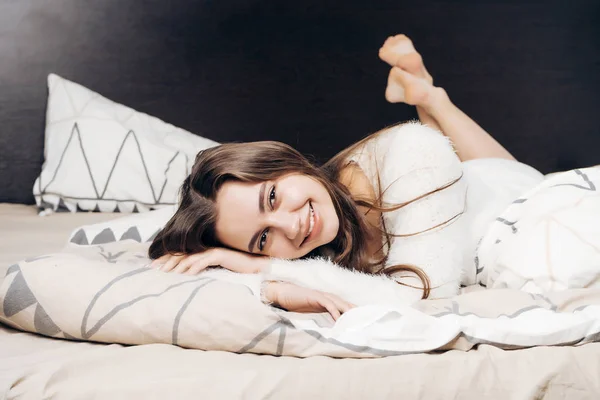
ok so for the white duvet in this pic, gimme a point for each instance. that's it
(547, 240)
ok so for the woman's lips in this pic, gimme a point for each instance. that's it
(316, 227)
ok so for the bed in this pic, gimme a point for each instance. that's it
(34, 367)
(37, 367)
(201, 49)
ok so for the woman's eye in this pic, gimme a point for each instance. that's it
(263, 240)
(272, 197)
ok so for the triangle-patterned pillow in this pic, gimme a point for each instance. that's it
(103, 156)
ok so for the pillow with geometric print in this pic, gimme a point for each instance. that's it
(104, 156)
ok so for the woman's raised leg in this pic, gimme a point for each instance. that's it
(410, 83)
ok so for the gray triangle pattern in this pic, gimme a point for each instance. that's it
(43, 323)
(12, 268)
(62, 207)
(279, 327)
(132, 233)
(106, 236)
(80, 238)
(18, 296)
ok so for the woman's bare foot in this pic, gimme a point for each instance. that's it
(399, 51)
(404, 87)
(409, 82)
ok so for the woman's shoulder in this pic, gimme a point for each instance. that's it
(410, 141)
(409, 149)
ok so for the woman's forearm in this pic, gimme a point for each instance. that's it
(470, 140)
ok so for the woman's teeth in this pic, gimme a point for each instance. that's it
(311, 224)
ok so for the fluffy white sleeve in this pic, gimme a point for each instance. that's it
(320, 274)
(355, 287)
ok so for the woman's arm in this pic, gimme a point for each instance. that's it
(314, 273)
(355, 287)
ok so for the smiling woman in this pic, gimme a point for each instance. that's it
(264, 198)
(394, 204)
(267, 199)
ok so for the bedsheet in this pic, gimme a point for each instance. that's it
(50, 368)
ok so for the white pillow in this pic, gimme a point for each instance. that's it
(104, 156)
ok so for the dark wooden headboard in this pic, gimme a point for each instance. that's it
(304, 72)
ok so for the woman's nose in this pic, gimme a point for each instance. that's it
(287, 222)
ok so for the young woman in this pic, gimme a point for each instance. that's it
(394, 206)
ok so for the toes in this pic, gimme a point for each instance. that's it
(394, 47)
(400, 43)
(399, 51)
(398, 38)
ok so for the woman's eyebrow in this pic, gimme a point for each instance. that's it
(261, 208)
(261, 198)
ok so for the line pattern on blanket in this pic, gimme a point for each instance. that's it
(86, 334)
(175, 334)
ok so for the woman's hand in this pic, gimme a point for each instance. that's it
(300, 299)
(193, 264)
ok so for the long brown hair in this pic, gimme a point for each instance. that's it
(192, 227)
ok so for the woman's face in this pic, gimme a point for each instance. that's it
(284, 218)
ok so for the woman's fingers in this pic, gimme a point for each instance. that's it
(330, 306)
(190, 263)
(202, 261)
(341, 304)
(184, 265)
(333, 310)
(171, 263)
(196, 261)
(160, 261)
(197, 267)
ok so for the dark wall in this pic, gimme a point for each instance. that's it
(304, 72)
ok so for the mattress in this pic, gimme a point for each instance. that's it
(34, 367)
